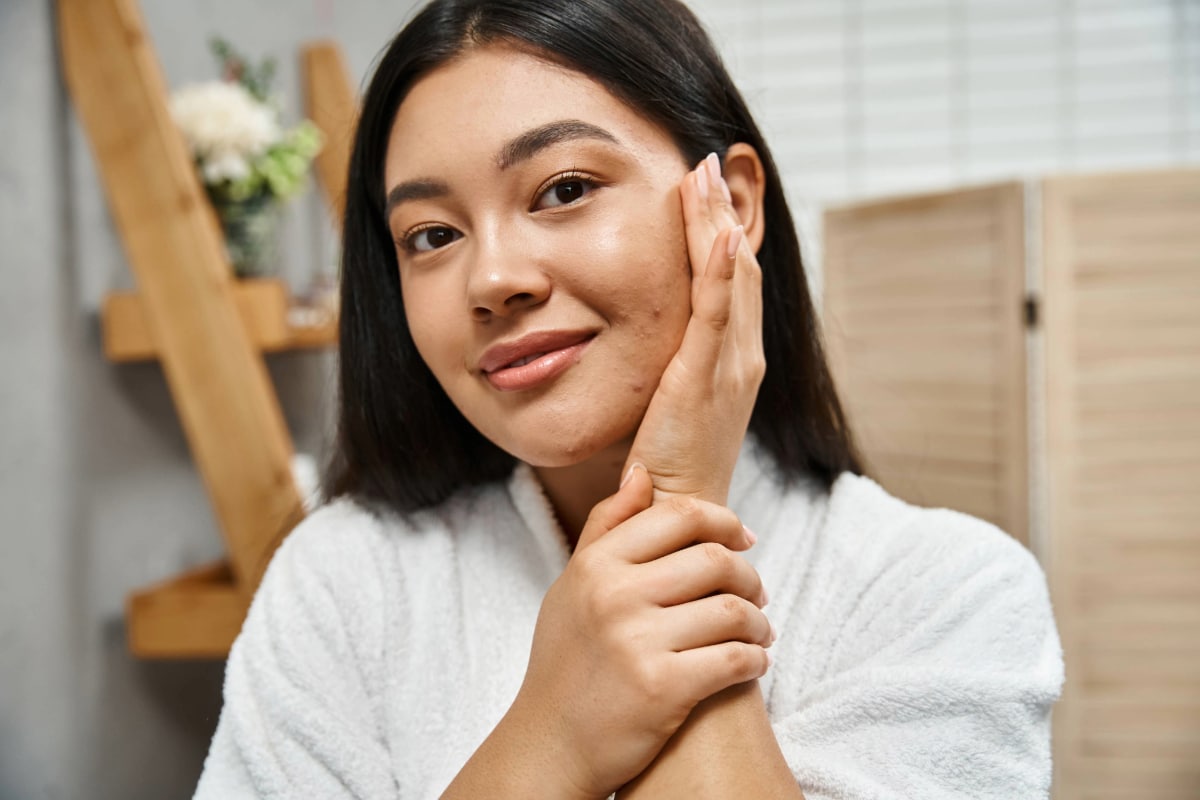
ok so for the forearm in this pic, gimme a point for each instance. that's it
(726, 748)
(516, 760)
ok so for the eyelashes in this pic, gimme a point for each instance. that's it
(565, 189)
(428, 237)
(562, 190)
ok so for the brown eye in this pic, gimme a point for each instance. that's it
(432, 238)
(568, 192)
(565, 192)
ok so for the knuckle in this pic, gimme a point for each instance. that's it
(717, 555)
(687, 508)
(739, 659)
(587, 566)
(733, 609)
(718, 320)
(607, 598)
(654, 681)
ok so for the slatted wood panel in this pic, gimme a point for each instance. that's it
(1122, 299)
(923, 313)
(217, 379)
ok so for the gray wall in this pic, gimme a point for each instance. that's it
(99, 492)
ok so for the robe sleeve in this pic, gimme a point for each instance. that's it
(939, 679)
(301, 698)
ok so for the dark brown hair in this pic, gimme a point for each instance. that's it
(400, 439)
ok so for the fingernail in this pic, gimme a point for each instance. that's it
(774, 633)
(629, 473)
(702, 183)
(725, 191)
(770, 659)
(714, 170)
(735, 239)
(750, 537)
(713, 162)
(766, 597)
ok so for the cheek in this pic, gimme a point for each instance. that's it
(636, 261)
(431, 332)
(636, 273)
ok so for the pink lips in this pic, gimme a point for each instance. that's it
(533, 359)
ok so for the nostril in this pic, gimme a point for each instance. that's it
(519, 299)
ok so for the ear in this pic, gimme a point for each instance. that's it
(743, 171)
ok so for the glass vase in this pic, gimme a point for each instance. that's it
(251, 230)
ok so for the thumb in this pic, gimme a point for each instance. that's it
(634, 496)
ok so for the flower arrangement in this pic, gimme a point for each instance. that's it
(247, 161)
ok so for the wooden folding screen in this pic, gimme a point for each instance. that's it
(924, 321)
(924, 304)
(1122, 312)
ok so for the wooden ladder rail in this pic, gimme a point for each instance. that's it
(331, 103)
(217, 378)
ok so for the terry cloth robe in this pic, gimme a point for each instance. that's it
(917, 656)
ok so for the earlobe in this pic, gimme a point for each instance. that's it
(744, 173)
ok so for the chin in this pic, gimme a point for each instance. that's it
(567, 448)
(559, 453)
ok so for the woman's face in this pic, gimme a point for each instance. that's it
(541, 249)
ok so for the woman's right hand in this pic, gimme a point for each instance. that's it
(655, 612)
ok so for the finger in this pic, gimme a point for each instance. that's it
(698, 571)
(635, 495)
(710, 669)
(707, 209)
(699, 229)
(747, 290)
(746, 338)
(675, 524)
(721, 199)
(712, 308)
(716, 619)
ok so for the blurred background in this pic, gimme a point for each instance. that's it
(861, 100)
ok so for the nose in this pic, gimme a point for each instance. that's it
(504, 279)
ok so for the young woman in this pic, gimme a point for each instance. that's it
(586, 434)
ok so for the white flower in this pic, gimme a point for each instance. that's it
(224, 126)
(224, 165)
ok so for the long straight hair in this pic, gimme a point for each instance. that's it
(400, 440)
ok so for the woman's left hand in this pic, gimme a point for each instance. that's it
(693, 429)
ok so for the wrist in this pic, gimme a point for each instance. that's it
(726, 748)
(535, 737)
(519, 758)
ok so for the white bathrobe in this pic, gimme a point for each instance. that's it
(917, 656)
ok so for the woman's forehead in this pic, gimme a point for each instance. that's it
(494, 94)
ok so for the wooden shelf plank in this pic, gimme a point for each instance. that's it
(195, 615)
(263, 305)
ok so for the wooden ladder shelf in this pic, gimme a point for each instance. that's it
(208, 330)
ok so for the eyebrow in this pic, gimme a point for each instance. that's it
(420, 189)
(530, 143)
(521, 148)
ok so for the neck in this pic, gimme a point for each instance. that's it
(574, 490)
